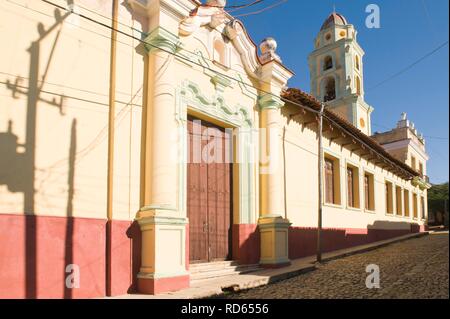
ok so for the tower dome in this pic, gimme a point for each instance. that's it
(334, 19)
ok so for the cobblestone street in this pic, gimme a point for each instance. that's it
(416, 268)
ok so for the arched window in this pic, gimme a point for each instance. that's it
(357, 62)
(330, 90)
(327, 63)
(358, 85)
(219, 52)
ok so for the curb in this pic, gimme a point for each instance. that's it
(375, 246)
(218, 291)
(280, 277)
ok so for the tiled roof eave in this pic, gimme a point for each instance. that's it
(392, 164)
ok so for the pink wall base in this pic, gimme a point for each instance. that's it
(303, 241)
(35, 250)
(246, 244)
(162, 285)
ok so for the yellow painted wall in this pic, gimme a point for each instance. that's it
(78, 69)
(301, 184)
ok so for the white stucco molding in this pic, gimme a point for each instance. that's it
(216, 107)
(270, 101)
(202, 16)
(177, 8)
(162, 39)
(244, 45)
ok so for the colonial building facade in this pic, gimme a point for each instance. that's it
(131, 153)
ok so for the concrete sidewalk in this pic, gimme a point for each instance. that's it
(217, 287)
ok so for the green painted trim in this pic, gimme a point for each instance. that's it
(157, 207)
(245, 88)
(270, 101)
(161, 38)
(274, 261)
(216, 107)
(220, 82)
(162, 220)
(420, 182)
(273, 223)
(189, 95)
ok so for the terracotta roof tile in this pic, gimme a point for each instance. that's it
(305, 99)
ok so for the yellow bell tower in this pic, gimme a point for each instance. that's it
(336, 68)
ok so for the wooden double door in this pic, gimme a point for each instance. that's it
(209, 191)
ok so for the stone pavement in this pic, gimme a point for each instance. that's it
(417, 268)
(217, 287)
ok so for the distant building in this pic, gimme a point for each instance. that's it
(193, 149)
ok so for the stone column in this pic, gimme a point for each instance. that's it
(161, 219)
(273, 224)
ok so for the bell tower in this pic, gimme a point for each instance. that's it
(336, 68)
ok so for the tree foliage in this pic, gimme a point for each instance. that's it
(438, 192)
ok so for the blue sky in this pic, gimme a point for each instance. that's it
(409, 30)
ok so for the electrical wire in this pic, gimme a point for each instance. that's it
(226, 76)
(409, 66)
(426, 136)
(238, 6)
(262, 10)
(184, 58)
(231, 78)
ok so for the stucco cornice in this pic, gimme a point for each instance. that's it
(178, 8)
(270, 101)
(161, 38)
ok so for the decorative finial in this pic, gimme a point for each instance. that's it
(268, 47)
(334, 8)
(404, 116)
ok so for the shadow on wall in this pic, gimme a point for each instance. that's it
(246, 244)
(17, 161)
(303, 241)
(36, 250)
(134, 233)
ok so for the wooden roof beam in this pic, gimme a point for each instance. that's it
(308, 119)
(328, 128)
(340, 139)
(301, 113)
(335, 134)
(349, 142)
(363, 152)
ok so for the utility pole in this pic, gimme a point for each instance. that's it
(320, 201)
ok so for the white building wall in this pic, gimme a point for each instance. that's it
(301, 179)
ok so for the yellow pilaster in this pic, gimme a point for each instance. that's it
(273, 226)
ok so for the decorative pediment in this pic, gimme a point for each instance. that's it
(247, 49)
(216, 18)
(216, 106)
(202, 16)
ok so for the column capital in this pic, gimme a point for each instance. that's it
(154, 219)
(162, 39)
(270, 101)
(273, 222)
